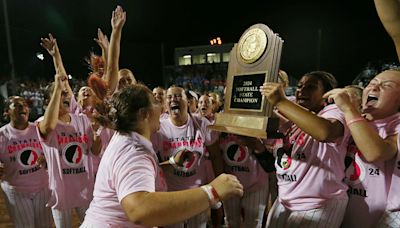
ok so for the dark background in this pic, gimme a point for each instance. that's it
(333, 35)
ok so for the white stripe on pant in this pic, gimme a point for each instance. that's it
(253, 203)
(330, 216)
(63, 218)
(28, 209)
(390, 219)
(198, 221)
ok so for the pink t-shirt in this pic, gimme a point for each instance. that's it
(19, 152)
(105, 136)
(191, 137)
(240, 161)
(74, 107)
(128, 165)
(164, 115)
(393, 201)
(310, 172)
(368, 182)
(67, 149)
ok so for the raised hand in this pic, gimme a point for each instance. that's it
(50, 44)
(60, 81)
(227, 186)
(342, 99)
(273, 92)
(102, 40)
(118, 18)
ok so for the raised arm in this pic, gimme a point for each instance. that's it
(165, 208)
(321, 129)
(49, 122)
(389, 13)
(104, 44)
(51, 46)
(372, 146)
(117, 23)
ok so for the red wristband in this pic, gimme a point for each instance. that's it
(215, 193)
(213, 197)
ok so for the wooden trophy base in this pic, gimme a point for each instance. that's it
(247, 125)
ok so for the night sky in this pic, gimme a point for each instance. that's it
(350, 33)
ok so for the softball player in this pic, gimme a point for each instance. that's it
(183, 133)
(239, 161)
(68, 142)
(310, 166)
(24, 181)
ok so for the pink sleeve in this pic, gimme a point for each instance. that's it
(134, 174)
(49, 140)
(211, 136)
(333, 112)
(73, 106)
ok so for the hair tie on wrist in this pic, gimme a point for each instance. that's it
(358, 119)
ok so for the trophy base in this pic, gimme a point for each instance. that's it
(252, 126)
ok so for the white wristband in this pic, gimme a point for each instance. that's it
(171, 161)
(213, 198)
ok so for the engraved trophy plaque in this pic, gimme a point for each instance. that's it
(253, 60)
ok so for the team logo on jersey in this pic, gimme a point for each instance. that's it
(355, 171)
(235, 154)
(284, 160)
(187, 160)
(28, 157)
(73, 154)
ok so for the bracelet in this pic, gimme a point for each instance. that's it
(358, 119)
(171, 161)
(213, 197)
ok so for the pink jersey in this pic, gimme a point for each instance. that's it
(19, 152)
(128, 165)
(105, 136)
(190, 137)
(240, 161)
(310, 172)
(394, 197)
(67, 150)
(164, 115)
(368, 182)
(74, 107)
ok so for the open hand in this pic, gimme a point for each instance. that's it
(102, 40)
(50, 44)
(273, 92)
(118, 18)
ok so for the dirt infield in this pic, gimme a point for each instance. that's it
(5, 221)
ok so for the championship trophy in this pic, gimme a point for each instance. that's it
(253, 60)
